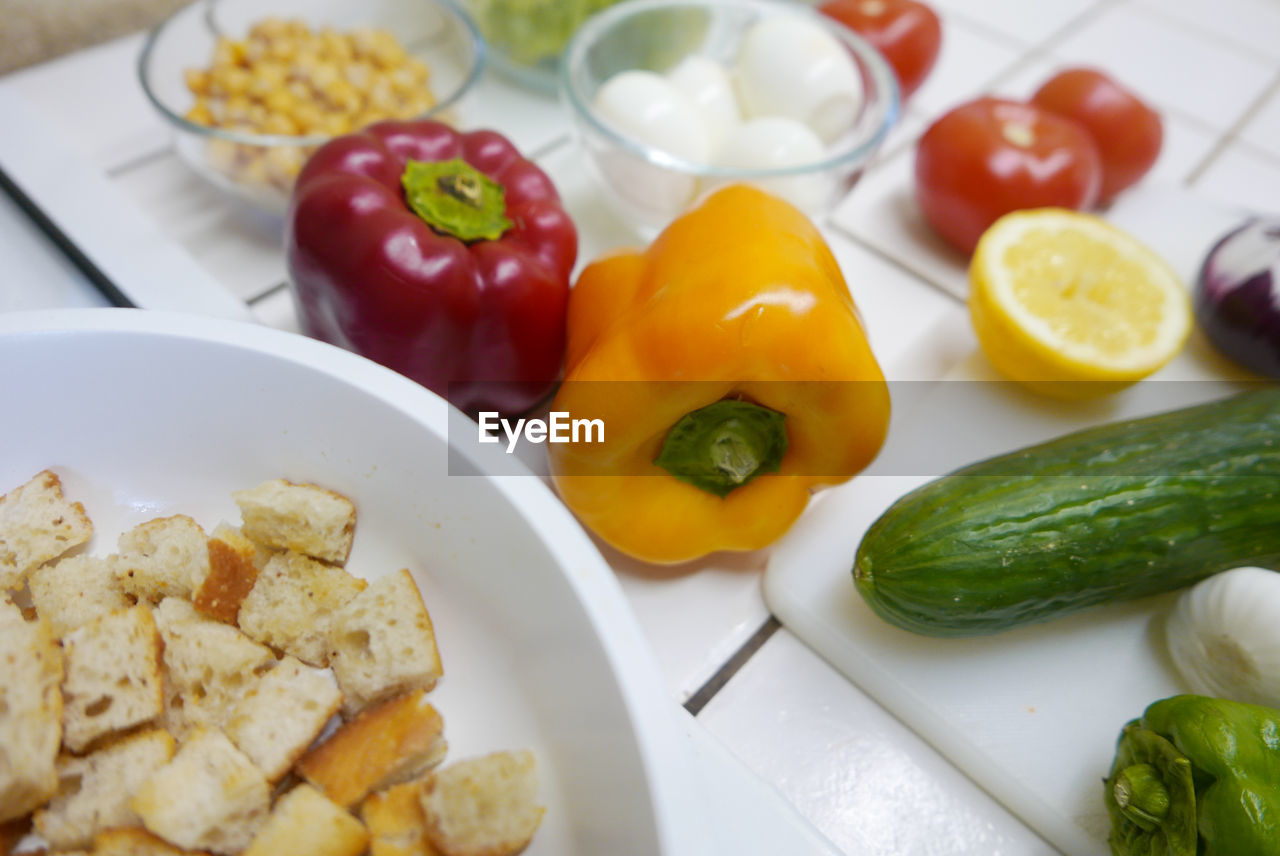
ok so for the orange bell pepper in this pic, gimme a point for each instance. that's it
(731, 375)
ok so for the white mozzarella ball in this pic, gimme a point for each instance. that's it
(770, 141)
(789, 66)
(775, 142)
(707, 85)
(647, 108)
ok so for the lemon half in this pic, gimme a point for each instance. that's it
(1072, 306)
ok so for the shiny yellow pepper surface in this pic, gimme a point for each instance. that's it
(730, 376)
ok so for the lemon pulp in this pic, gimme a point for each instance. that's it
(1058, 298)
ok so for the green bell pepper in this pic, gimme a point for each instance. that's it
(1197, 776)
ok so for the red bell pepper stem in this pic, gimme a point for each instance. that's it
(455, 198)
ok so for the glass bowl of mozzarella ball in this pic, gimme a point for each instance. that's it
(672, 100)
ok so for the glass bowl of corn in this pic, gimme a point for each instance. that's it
(251, 88)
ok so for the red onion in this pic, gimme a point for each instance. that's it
(1237, 296)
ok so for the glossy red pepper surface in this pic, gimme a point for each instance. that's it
(480, 321)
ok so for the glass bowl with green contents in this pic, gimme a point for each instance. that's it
(526, 37)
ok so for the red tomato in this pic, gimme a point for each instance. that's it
(907, 32)
(990, 156)
(1127, 131)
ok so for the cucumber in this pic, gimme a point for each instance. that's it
(1107, 514)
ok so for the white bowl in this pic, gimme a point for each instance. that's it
(145, 414)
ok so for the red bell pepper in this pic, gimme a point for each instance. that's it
(443, 255)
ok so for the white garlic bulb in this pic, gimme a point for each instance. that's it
(1224, 636)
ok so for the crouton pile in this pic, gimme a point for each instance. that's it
(238, 692)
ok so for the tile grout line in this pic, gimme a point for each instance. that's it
(897, 263)
(1043, 49)
(698, 700)
(1232, 134)
(1222, 39)
(985, 30)
(270, 291)
(137, 161)
(1257, 150)
(548, 148)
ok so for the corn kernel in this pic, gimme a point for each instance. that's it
(335, 46)
(342, 96)
(199, 113)
(227, 52)
(418, 104)
(197, 80)
(362, 120)
(418, 69)
(280, 102)
(237, 108)
(308, 118)
(279, 123)
(268, 29)
(360, 74)
(362, 41)
(324, 75)
(335, 124)
(267, 76)
(387, 52)
(403, 80)
(282, 50)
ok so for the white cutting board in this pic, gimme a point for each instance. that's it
(1032, 714)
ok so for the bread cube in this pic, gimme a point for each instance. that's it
(389, 743)
(94, 791)
(290, 605)
(11, 832)
(382, 643)
(282, 714)
(74, 590)
(208, 666)
(305, 821)
(484, 806)
(30, 712)
(113, 676)
(209, 797)
(136, 841)
(396, 824)
(165, 557)
(234, 564)
(304, 518)
(37, 524)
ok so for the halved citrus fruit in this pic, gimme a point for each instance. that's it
(1072, 306)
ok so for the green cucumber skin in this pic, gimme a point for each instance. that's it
(1108, 514)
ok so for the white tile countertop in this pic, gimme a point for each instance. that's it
(92, 165)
